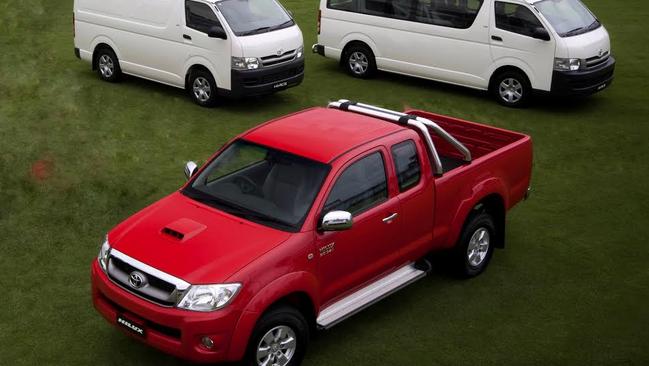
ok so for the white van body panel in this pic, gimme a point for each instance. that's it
(588, 45)
(264, 44)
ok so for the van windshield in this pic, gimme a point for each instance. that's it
(568, 17)
(248, 17)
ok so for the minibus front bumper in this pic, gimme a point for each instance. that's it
(584, 82)
(266, 80)
(178, 332)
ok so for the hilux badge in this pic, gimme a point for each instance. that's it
(136, 279)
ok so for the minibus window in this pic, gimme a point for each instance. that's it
(199, 16)
(346, 5)
(516, 18)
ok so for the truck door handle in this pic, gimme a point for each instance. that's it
(187, 37)
(390, 218)
(496, 38)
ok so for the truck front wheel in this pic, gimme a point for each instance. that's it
(475, 248)
(279, 339)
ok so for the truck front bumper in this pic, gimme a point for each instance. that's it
(174, 331)
(583, 82)
(266, 80)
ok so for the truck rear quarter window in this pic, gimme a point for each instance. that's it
(199, 16)
(360, 187)
(447, 13)
(407, 164)
(516, 18)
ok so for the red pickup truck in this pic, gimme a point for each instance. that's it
(302, 222)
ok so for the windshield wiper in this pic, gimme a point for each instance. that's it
(255, 31)
(574, 31)
(279, 26)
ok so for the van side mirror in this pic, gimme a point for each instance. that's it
(541, 33)
(336, 221)
(216, 31)
(190, 169)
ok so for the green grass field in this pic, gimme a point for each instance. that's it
(78, 155)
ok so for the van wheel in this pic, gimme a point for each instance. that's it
(279, 339)
(107, 65)
(475, 248)
(202, 88)
(359, 61)
(511, 89)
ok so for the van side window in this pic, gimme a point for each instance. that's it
(360, 187)
(516, 18)
(200, 16)
(447, 13)
(407, 164)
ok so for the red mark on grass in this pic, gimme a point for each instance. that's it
(42, 169)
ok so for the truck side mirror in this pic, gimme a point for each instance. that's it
(541, 33)
(336, 221)
(216, 31)
(190, 169)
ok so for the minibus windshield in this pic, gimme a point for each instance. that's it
(248, 17)
(568, 17)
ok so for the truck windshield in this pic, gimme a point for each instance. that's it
(568, 17)
(260, 184)
(248, 17)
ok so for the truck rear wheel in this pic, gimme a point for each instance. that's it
(279, 339)
(475, 248)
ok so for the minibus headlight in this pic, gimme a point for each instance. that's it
(300, 52)
(567, 64)
(208, 297)
(104, 252)
(245, 63)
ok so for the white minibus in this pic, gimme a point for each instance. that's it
(510, 47)
(210, 48)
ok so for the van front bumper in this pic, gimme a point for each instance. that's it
(266, 80)
(174, 331)
(583, 82)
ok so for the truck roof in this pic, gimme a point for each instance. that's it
(321, 134)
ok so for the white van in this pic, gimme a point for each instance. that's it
(509, 47)
(211, 48)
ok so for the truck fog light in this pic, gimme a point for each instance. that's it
(207, 342)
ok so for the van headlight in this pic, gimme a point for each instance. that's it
(104, 252)
(208, 297)
(300, 52)
(245, 63)
(567, 64)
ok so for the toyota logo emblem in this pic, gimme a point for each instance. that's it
(280, 52)
(136, 279)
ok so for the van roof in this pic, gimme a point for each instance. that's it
(320, 134)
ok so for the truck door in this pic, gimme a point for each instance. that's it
(512, 29)
(417, 200)
(347, 259)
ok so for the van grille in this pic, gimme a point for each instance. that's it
(278, 59)
(154, 289)
(596, 61)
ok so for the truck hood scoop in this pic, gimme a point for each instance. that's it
(183, 229)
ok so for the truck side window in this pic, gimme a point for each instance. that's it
(361, 186)
(200, 16)
(516, 18)
(407, 164)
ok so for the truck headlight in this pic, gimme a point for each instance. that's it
(300, 52)
(567, 64)
(245, 63)
(104, 252)
(208, 297)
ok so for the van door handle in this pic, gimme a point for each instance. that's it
(496, 38)
(187, 37)
(390, 218)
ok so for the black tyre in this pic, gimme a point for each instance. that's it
(359, 61)
(202, 88)
(511, 89)
(107, 65)
(475, 247)
(280, 338)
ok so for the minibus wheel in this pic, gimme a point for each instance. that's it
(511, 88)
(279, 338)
(359, 61)
(107, 65)
(202, 88)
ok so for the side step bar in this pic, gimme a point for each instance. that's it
(370, 294)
